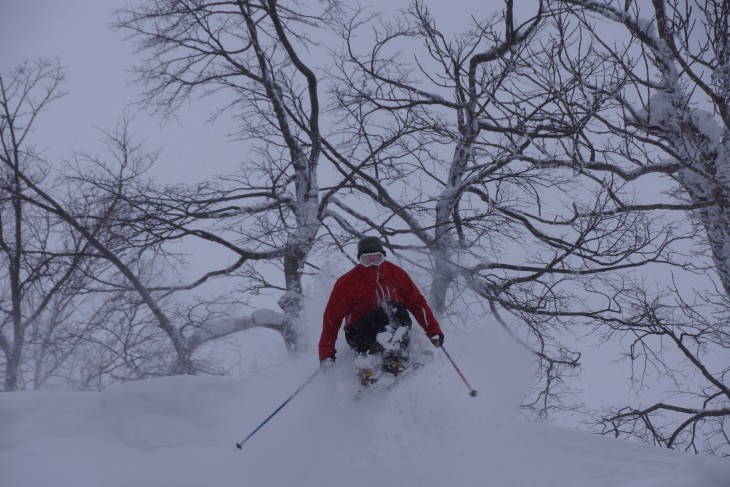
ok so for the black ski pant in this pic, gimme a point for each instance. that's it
(392, 318)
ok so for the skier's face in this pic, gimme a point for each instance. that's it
(372, 259)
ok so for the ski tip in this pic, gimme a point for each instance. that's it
(386, 379)
(426, 357)
(473, 393)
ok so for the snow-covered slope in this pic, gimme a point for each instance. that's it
(181, 431)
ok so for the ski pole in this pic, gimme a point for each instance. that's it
(240, 444)
(472, 391)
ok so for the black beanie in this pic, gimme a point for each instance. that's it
(369, 245)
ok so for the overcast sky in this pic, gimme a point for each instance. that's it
(99, 88)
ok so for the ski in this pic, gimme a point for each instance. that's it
(387, 381)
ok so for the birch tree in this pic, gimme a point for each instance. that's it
(254, 54)
(464, 77)
(39, 267)
(660, 87)
(456, 149)
(66, 236)
(52, 247)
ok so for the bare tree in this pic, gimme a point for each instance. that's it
(660, 91)
(251, 52)
(457, 148)
(463, 77)
(49, 266)
(53, 235)
(671, 337)
(39, 267)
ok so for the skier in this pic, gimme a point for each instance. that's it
(374, 299)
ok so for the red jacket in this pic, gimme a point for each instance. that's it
(362, 290)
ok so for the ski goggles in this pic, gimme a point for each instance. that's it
(372, 259)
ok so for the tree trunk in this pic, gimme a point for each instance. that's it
(706, 185)
(443, 249)
(298, 246)
(12, 361)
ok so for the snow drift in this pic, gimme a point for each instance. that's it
(181, 431)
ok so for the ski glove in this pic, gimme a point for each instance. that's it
(437, 340)
(326, 363)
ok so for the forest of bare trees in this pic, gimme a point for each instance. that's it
(561, 172)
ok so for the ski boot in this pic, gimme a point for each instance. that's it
(367, 377)
(394, 364)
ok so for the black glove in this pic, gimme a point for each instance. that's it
(437, 340)
(327, 362)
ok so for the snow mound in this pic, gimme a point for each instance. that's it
(168, 412)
